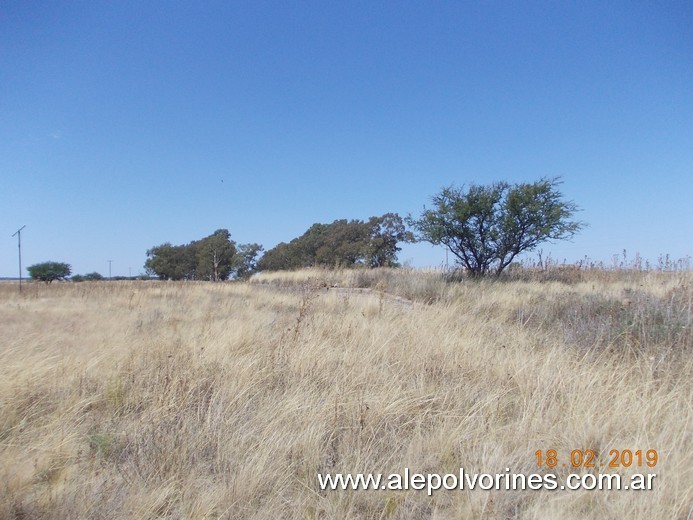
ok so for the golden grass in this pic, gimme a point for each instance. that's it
(200, 400)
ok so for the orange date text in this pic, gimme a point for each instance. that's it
(589, 459)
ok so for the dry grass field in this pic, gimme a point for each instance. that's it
(199, 400)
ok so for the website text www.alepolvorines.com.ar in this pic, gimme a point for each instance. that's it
(463, 480)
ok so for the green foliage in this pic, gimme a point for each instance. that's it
(385, 233)
(246, 260)
(212, 258)
(215, 256)
(486, 227)
(170, 262)
(282, 256)
(343, 243)
(89, 277)
(101, 444)
(49, 271)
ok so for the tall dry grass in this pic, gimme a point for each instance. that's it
(199, 400)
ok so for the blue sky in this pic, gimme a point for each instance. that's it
(124, 125)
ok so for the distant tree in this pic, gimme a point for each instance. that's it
(169, 262)
(343, 243)
(211, 258)
(89, 277)
(486, 227)
(215, 256)
(281, 257)
(385, 233)
(49, 271)
(246, 259)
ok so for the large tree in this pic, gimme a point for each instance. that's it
(486, 227)
(49, 271)
(215, 256)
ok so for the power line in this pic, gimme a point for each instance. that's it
(18, 233)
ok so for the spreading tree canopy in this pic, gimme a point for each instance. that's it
(49, 271)
(486, 227)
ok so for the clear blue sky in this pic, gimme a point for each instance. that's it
(124, 125)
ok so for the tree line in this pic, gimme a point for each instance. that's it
(343, 243)
(215, 258)
(485, 227)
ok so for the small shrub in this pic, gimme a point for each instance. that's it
(101, 444)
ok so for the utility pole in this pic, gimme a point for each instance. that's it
(109, 268)
(19, 246)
